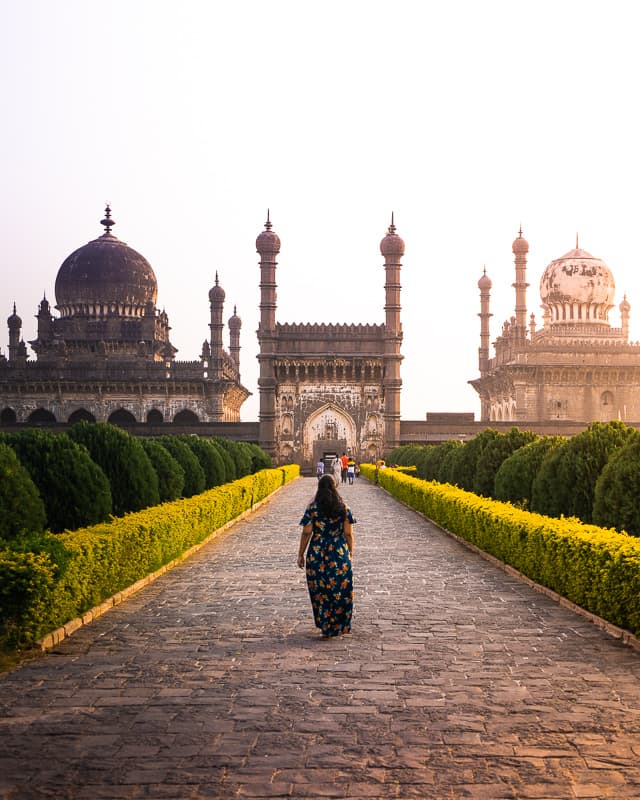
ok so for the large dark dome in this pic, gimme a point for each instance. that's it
(105, 274)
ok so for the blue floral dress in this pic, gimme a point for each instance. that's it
(329, 575)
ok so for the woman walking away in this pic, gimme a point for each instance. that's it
(328, 533)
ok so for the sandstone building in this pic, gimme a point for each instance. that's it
(107, 356)
(576, 367)
(328, 389)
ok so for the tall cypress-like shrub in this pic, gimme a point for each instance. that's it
(209, 458)
(229, 463)
(240, 456)
(259, 459)
(170, 473)
(21, 507)
(495, 452)
(514, 479)
(194, 482)
(74, 489)
(567, 478)
(133, 480)
(618, 489)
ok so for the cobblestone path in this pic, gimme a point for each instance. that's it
(457, 682)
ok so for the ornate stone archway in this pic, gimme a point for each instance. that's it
(328, 425)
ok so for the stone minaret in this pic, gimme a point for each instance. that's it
(235, 323)
(520, 249)
(216, 300)
(392, 248)
(484, 284)
(268, 247)
(625, 308)
(14, 324)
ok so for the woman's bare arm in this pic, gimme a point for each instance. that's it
(348, 535)
(304, 541)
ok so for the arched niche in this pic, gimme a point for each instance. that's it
(186, 417)
(41, 415)
(122, 417)
(81, 415)
(154, 417)
(7, 416)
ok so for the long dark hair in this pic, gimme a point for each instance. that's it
(330, 504)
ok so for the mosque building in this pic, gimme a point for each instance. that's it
(107, 356)
(577, 367)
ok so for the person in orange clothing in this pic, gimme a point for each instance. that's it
(345, 466)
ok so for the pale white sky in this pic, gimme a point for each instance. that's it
(465, 118)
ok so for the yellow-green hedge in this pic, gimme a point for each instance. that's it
(106, 558)
(595, 568)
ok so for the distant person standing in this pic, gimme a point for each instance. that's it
(337, 469)
(320, 469)
(351, 471)
(345, 466)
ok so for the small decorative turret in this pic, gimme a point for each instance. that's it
(625, 308)
(14, 324)
(235, 324)
(392, 244)
(268, 242)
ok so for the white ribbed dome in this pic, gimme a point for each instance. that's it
(576, 288)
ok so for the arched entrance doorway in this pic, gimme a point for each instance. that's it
(327, 431)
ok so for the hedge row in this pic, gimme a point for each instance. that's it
(57, 578)
(596, 568)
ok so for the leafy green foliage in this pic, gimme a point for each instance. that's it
(194, 481)
(515, 476)
(446, 470)
(229, 463)
(74, 489)
(240, 455)
(493, 454)
(618, 489)
(463, 468)
(259, 459)
(170, 473)
(565, 484)
(209, 458)
(133, 480)
(21, 507)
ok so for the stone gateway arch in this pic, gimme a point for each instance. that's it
(328, 388)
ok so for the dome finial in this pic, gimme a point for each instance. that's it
(107, 221)
(392, 227)
(267, 224)
(520, 231)
(577, 246)
(217, 282)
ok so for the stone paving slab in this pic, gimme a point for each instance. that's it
(459, 681)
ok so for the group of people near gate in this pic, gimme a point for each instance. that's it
(344, 468)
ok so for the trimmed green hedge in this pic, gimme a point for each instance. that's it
(39, 595)
(596, 568)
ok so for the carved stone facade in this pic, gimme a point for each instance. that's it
(577, 367)
(329, 389)
(108, 357)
